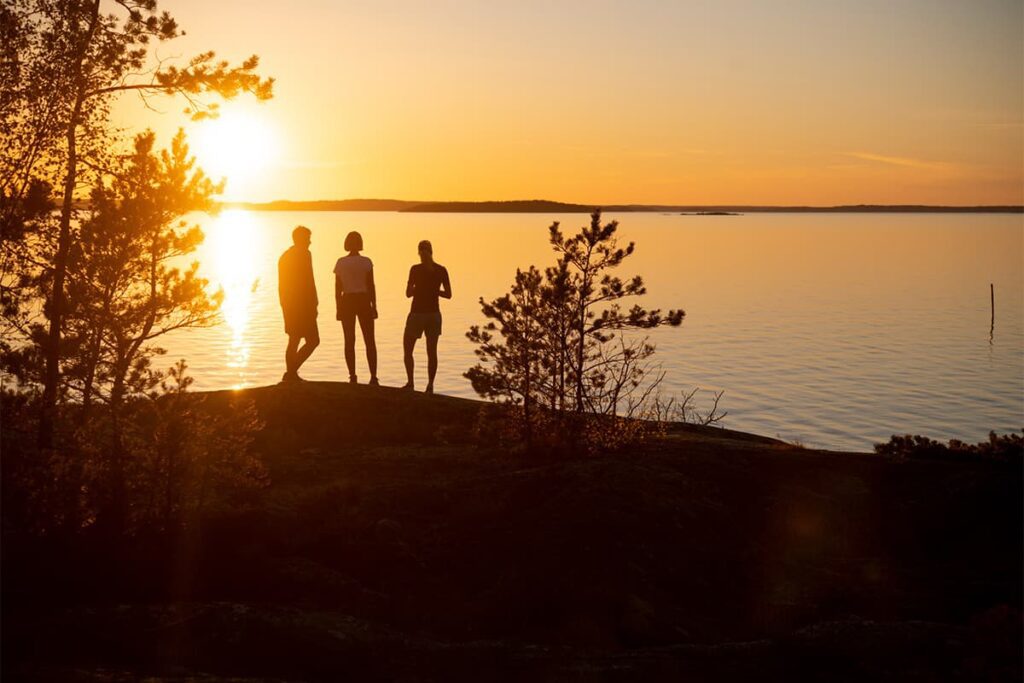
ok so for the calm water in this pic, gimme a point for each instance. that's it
(836, 330)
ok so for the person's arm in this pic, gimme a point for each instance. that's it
(371, 288)
(410, 287)
(282, 286)
(338, 292)
(311, 279)
(446, 285)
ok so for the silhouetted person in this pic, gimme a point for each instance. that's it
(356, 298)
(427, 282)
(297, 292)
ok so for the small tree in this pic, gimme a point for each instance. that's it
(516, 365)
(561, 342)
(596, 314)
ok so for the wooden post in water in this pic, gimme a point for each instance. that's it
(992, 297)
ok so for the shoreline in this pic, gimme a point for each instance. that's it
(462, 406)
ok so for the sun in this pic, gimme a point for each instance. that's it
(238, 146)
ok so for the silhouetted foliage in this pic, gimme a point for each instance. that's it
(123, 290)
(187, 458)
(685, 409)
(558, 345)
(87, 283)
(123, 293)
(998, 448)
(64, 62)
(178, 460)
(515, 362)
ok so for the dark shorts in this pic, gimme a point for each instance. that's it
(418, 324)
(301, 325)
(354, 306)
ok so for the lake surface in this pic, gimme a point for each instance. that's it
(835, 330)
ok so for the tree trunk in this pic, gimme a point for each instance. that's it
(585, 291)
(114, 512)
(527, 395)
(580, 352)
(563, 352)
(60, 264)
(117, 515)
(90, 372)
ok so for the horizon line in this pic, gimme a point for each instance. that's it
(393, 204)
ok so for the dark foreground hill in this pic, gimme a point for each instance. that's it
(390, 546)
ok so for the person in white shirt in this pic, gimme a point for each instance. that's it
(356, 298)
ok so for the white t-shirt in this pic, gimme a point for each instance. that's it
(353, 271)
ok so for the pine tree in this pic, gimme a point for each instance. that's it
(561, 341)
(65, 63)
(124, 290)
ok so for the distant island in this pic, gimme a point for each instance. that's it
(326, 205)
(514, 206)
(548, 206)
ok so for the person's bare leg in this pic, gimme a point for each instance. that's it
(348, 327)
(289, 354)
(366, 324)
(408, 345)
(306, 351)
(431, 362)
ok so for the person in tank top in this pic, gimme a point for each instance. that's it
(428, 282)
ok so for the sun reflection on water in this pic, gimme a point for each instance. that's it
(234, 243)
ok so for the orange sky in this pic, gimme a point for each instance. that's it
(743, 102)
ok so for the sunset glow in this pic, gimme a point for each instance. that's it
(231, 264)
(465, 340)
(239, 146)
(739, 102)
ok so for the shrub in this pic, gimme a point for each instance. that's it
(181, 457)
(553, 432)
(998, 448)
